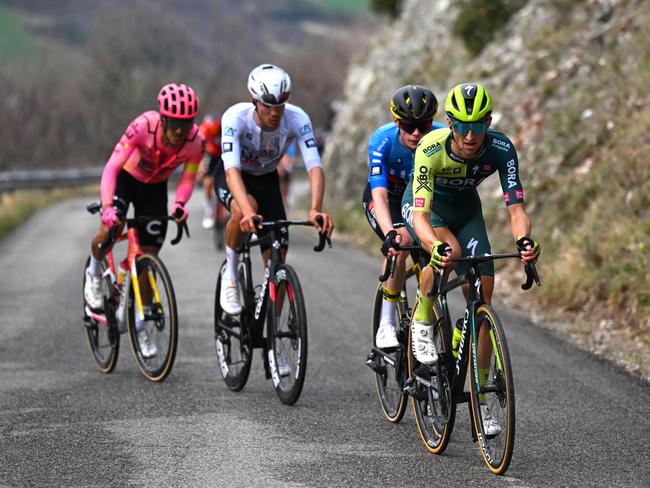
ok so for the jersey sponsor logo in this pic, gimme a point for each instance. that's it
(499, 144)
(153, 227)
(227, 147)
(457, 182)
(452, 171)
(519, 194)
(512, 173)
(407, 213)
(487, 167)
(507, 197)
(475, 169)
(131, 131)
(419, 202)
(311, 142)
(471, 246)
(249, 136)
(423, 180)
(431, 149)
(228, 131)
(375, 171)
(305, 129)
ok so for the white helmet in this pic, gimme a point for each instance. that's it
(269, 84)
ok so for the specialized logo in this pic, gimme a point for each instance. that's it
(305, 129)
(431, 149)
(471, 246)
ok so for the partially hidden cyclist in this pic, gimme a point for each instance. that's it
(390, 154)
(442, 208)
(154, 144)
(254, 138)
(210, 129)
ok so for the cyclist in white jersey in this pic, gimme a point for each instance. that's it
(254, 137)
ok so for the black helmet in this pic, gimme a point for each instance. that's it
(413, 102)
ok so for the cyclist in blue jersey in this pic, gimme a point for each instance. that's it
(390, 153)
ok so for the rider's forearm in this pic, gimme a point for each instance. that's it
(382, 209)
(424, 231)
(519, 221)
(109, 180)
(317, 187)
(238, 190)
(186, 185)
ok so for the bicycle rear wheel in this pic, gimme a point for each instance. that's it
(496, 392)
(232, 337)
(103, 336)
(160, 319)
(287, 325)
(433, 403)
(391, 368)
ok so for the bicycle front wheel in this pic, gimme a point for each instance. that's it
(103, 336)
(493, 399)
(390, 367)
(433, 403)
(154, 334)
(287, 326)
(232, 337)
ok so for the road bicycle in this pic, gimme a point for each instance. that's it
(140, 287)
(391, 364)
(436, 390)
(219, 228)
(277, 301)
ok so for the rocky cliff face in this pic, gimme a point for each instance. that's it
(570, 86)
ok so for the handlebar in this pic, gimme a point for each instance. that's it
(96, 207)
(322, 238)
(391, 262)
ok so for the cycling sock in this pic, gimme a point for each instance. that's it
(231, 264)
(424, 312)
(389, 305)
(94, 266)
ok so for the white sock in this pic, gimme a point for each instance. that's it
(232, 259)
(94, 267)
(388, 311)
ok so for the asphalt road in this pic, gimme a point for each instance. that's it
(580, 422)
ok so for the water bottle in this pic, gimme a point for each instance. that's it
(122, 282)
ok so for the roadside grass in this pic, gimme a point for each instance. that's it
(17, 206)
(13, 39)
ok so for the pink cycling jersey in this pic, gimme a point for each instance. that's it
(141, 153)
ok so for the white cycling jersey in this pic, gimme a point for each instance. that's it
(245, 146)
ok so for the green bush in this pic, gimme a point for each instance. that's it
(479, 20)
(390, 7)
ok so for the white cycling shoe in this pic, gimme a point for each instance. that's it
(93, 291)
(147, 346)
(386, 335)
(490, 425)
(422, 343)
(229, 297)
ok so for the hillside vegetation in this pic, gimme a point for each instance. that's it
(570, 83)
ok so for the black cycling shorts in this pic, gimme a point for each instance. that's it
(265, 189)
(148, 200)
(395, 206)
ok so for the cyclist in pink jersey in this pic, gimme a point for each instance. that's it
(151, 148)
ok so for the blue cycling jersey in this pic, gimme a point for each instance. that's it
(390, 161)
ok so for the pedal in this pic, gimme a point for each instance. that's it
(371, 362)
(409, 388)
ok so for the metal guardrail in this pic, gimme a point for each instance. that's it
(16, 180)
(57, 178)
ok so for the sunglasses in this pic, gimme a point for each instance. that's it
(409, 127)
(463, 128)
(272, 100)
(174, 124)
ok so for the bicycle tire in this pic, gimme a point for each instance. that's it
(499, 396)
(289, 337)
(104, 339)
(232, 337)
(161, 321)
(390, 378)
(434, 407)
(219, 233)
